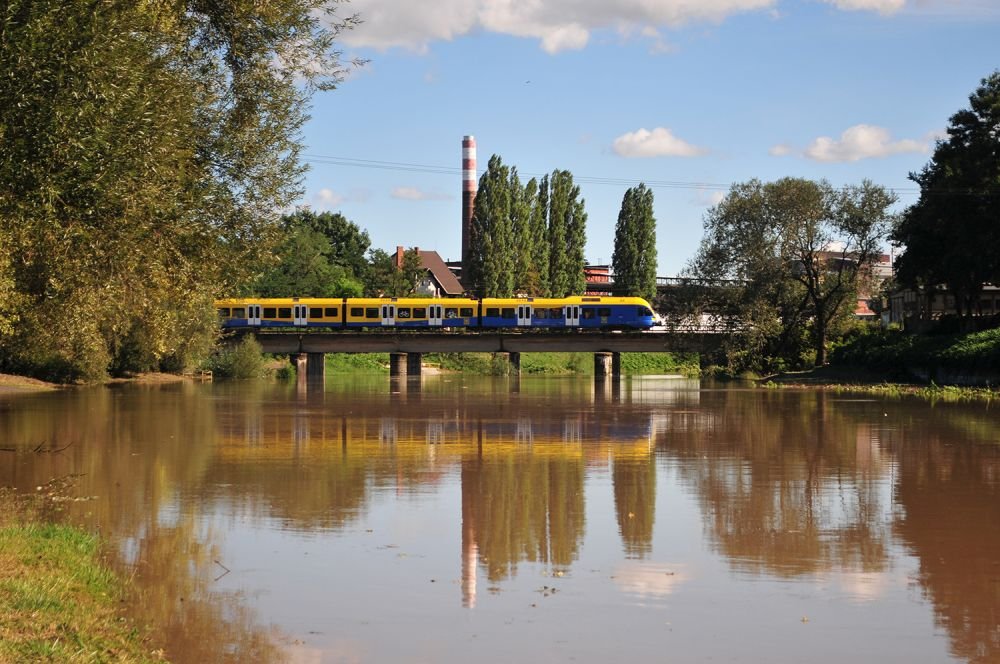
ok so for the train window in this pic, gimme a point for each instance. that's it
(357, 312)
(223, 312)
(604, 312)
(466, 312)
(403, 312)
(588, 313)
(492, 312)
(372, 312)
(315, 312)
(420, 312)
(269, 312)
(451, 313)
(239, 312)
(509, 314)
(540, 314)
(643, 311)
(284, 312)
(332, 312)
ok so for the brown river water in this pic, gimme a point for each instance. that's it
(465, 519)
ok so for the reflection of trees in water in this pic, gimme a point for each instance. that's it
(787, 485)
(950, 492)
(523, 506)
(134, 449)
(634, 479)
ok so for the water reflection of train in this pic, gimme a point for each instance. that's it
(605, 313)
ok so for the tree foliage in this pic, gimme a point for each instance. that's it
(389, 280)
(634, 258)
(951, 233)
(799, 251)
(526, 239)
(567, 236)
(322, 255)
(144, 151)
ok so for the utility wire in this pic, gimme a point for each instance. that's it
(351, 162)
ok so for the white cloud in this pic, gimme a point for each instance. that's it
(415, 194)
(861, 142)
(657, 143)
(649, 579)
(884, 7)
(558, 25)
(706, 197)
(326, 199)
(780, 150)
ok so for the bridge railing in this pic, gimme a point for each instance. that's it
(605, 282)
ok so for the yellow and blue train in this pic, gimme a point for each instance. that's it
(581, 312)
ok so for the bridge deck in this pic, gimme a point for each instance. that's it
(484, 342)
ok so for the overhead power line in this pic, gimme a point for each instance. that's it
(351, 162)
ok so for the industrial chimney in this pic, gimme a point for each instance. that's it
(468, 195)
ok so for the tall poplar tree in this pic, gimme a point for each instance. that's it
(490, 268)
(525, 272)
(539, 238)
(634, 258)
(567, 236)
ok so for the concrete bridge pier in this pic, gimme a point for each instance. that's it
(397, 364)
(515, 363)
(607, 365)
(316, 367)
(413, 364)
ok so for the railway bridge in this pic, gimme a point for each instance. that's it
(406, 348)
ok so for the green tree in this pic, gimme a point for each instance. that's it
(305, 269)
(951, 233)
(490, 272)
(634, 258)
(567, 236)
(800, 249)
(144, 151)
(349, 244)
(539, 268)
(386, 279)
(525, 274)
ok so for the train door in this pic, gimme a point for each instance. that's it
(253, 314)
(572, 314)
(388, 315)
(524, 315)
(300, 314)
(434, 315)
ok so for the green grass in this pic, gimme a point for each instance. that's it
(58, 601)
(563, 363)
(357, 363)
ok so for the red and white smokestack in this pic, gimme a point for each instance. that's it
(469, 188)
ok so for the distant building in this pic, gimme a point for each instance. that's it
(439, 280)
(599, 279)
(914, 309)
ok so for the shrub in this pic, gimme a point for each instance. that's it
(244, 360)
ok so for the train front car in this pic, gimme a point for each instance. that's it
(616, 313)
(605, 313)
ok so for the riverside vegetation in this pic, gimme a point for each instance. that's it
(59, 601)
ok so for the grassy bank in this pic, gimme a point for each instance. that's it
(853, 380)
(563, 363)
(897, 355)
(58, 601)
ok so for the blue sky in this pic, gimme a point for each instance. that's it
(689, 96)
